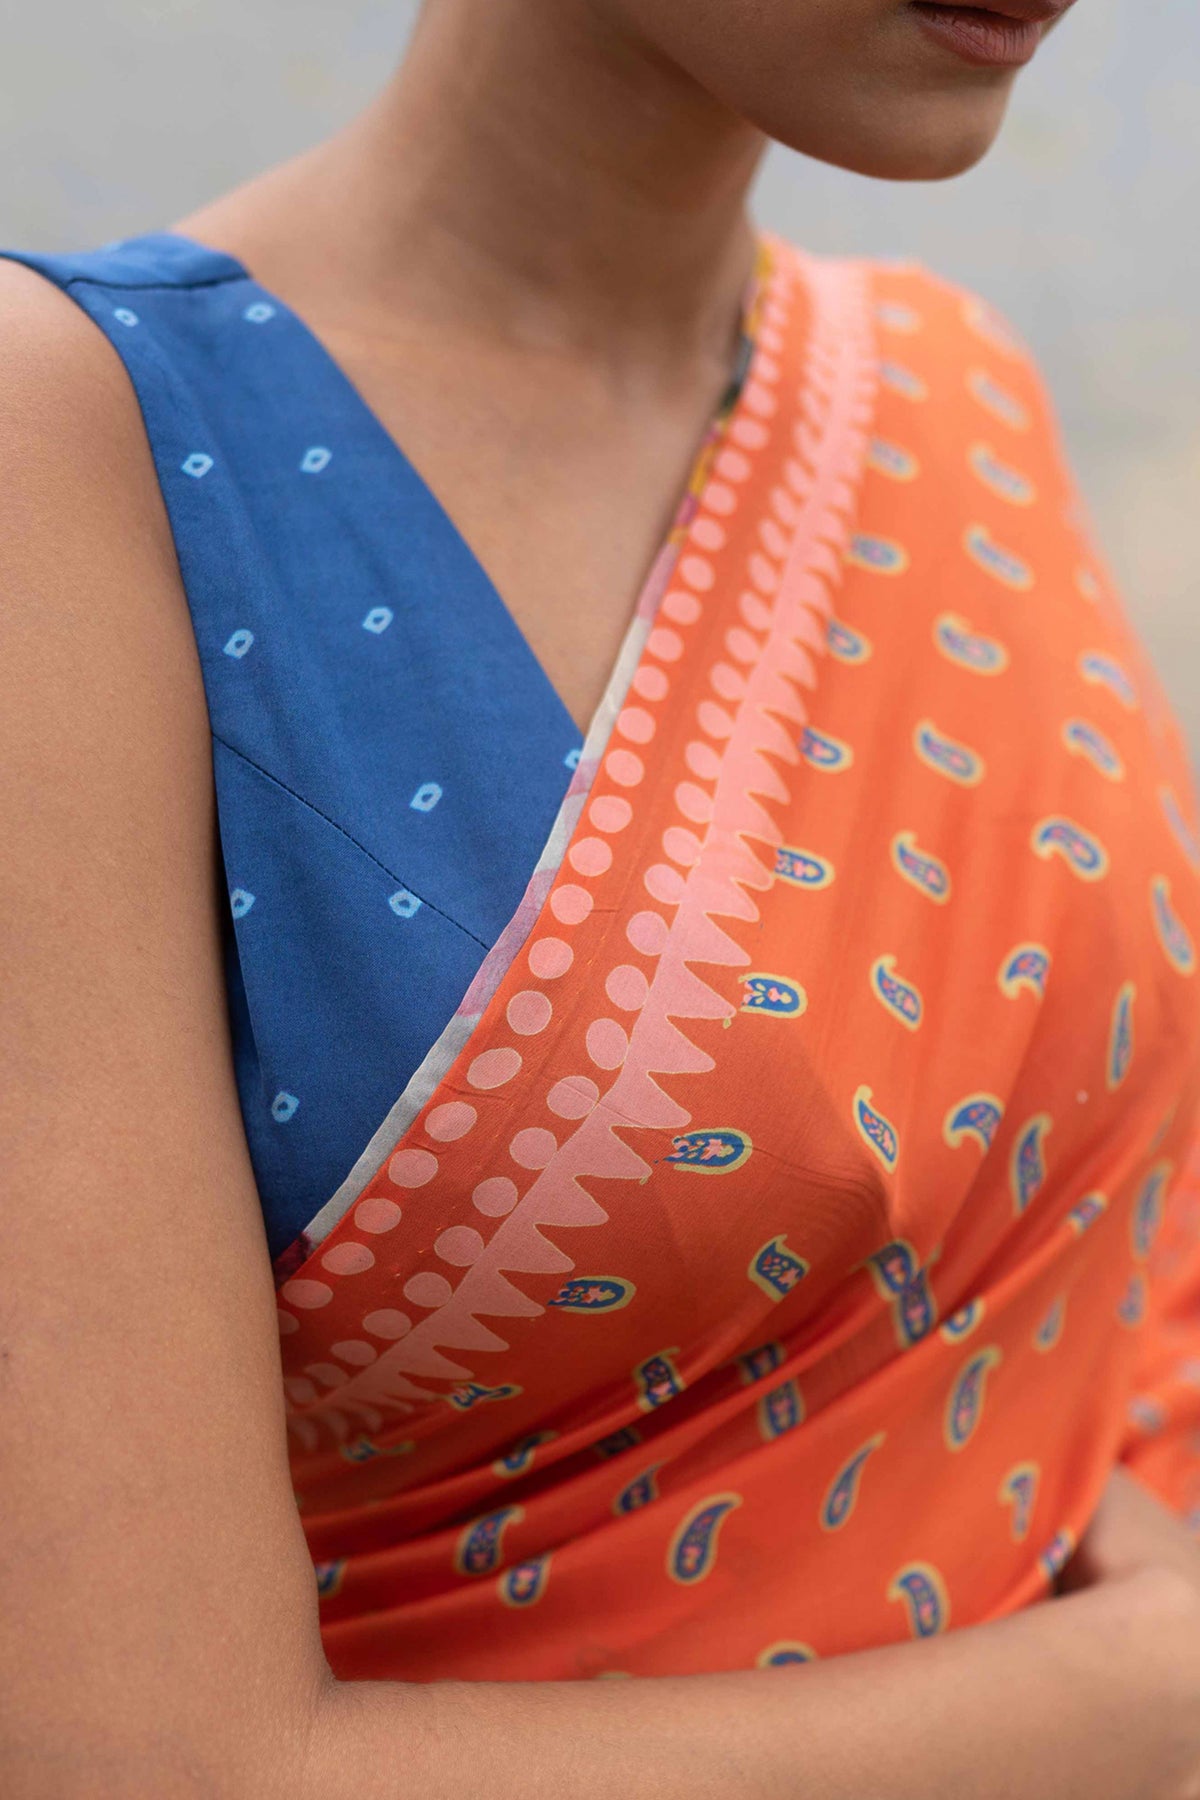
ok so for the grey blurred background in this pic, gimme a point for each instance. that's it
(120, 115)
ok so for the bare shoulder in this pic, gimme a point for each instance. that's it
(140, 1413)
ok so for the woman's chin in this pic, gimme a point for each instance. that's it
(921, 138)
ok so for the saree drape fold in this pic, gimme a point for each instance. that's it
(800, 1218)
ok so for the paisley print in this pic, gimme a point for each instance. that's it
(1082, 852)
(891, 460)
(1183, 832)
(693, 1547)
(900, 998)
(842, 1496)
(846, 644)
(1085, 1212)
(961, 1324)
(924, 872)
(776, 1269)
(1088, 741)
(363, 1449)
(329, 1577)
(594, 1294)
(1131, 1308)
(1025, 970)
(639, 1492)
(1050, 1329)
(900, 1280)
(657, 1379)
(519, 1459)
(525, 1582)
(895, 317)
(801, 868)
(480, 1546)
(991, 327)
(1000, 477)
(977, 1117)
(1027, 1162)
(968, 649)
(820, 751)
(1148, 1207)
(964, 1408)
(1004, 565)
(712, 1152)
(1106, 672)
(756, 1365)
(1120, 1036)
(474, 1393)
(945, 756)
(772, 995)
(903, 381)
(1173, 935)
(880, 555)
(923, 1592)
(780, 1410)
(1018, 1491)
(1057, 1554)
(998, 401)
(876, 1131)
(780, 1655)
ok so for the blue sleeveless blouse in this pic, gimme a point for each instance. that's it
(389, 754)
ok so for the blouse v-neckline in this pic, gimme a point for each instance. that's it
(355, 401)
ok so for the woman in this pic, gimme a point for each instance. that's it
(717, 1074)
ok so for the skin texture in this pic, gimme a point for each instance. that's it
(503, 206)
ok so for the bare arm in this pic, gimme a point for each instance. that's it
(158, 1633)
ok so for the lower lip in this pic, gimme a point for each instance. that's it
(987, 39)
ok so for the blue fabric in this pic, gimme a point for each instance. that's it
(389, 755)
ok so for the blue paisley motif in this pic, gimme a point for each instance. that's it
(787, 1651)
(847, 645)
(1105, 671)
(480, 1547)
(780, 1410)
(594, 1294)
(1173, 934)
(638, 1492)
(842, 1495)
(998, 401)
(802, 869)
(923, 1592)
(616, 1443)
(876, 1131)
(472, 1393)
(1027, 967)
(329, 1577)
(1082, 852)
(1004, 565)
(1057, 1554)
(926, 873)
(1120, 1036)
(947, 757)
(365, 1449)
(902, 381)
(1019, 1490)
(772, 994)
(712, 1152)
(959, 644)
(820, 751)
(880, 555)
(1082, 739)
(978, 1117)
(961, 1324)
(776, 1269)
(900, 997)
(757, 1364)
(1027, 1163)
(1050, 1329)
(1148, 1209)
(657, 1379)
(893, 315)
(1185, 837)
(1085, 1212)
(1131, 1308)
(890, 459)
(525, 1582)
(693, 1548)
(965, 1404)
(905, 1285)
(1007, 482)
(520, 1456)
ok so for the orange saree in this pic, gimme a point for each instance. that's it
(796, 1224)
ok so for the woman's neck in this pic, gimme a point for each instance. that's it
(530, 175)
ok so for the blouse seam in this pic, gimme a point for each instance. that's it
(350, 838)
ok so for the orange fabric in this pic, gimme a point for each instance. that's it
(773, 1273)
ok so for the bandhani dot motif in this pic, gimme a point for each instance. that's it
(573, 1097)
(427, 1289)
(719, 498)
(733, 466)
(702, 760)
(664, 883)
(288, 1323)
(708, 534)
(627, 987)
(411, 1168)
(683, 608)
(355, 1351)
(529, 1012)
(377, 1215)
(306, 1295)
(607, 1043)
(650, 683)
(698, 573)
(570, 905)
(648, 932)
(750, 433)
(492, 1068)
(610, 812)
(664, 643)
(348, 1259)
(460, 1245)
(682, 846)
(533, 1147)
(495, 1196)
(714, 719)
(590, 856)
(693, 802)
(636, 724)
(451, 1121)
(550, 957)
(624, 767)
(385, 1322)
